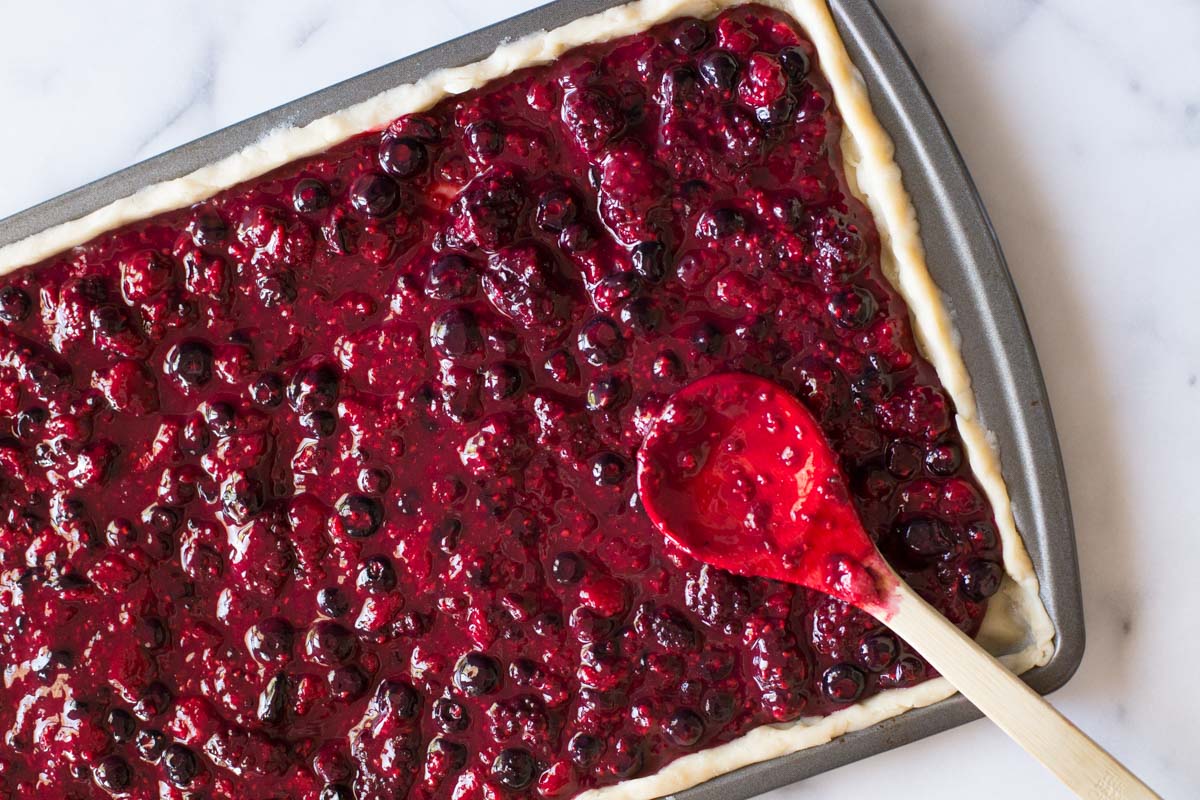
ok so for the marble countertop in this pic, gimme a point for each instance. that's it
(1080, 120)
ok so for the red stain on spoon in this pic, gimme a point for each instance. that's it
(736, 471)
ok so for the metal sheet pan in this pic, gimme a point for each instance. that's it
(964, 257)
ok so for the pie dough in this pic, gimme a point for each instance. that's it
(1016, 625)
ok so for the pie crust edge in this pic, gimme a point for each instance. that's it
(1016, 625)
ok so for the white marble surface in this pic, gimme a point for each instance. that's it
(1080, 120)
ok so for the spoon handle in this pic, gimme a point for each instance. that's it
(1080, 763)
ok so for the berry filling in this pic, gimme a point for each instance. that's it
(325, 487)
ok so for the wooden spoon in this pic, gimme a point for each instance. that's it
(736, 471)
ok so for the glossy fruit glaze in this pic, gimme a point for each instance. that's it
(325, 486)
(736, 471)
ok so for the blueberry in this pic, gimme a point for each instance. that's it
(207, 227)
(180, 765)
(556, 210)
(609, 469)
(152, 633)
(795, 63)
(684, 727)
(421, 127)
(843, 683)
(628, 756)
(719, 706)
(982, 535)
(668, 367)
(195, 437)
(30, 422)
(377, 575)
(776, 113)
(707, 338)
(690, 36)
(360, 516)
(375, 194)
(606, 393)
(852, 308)
(451, 277)
(600, 342)
(121, 725)
(396, 699)
(502, 380)
(642, 315)
(926, 537)
(221, 419)
(270, 640)
(332, 602)
(45, 375)
(679, 86)
(721, 223)
(446, 535)
(272, 702)
(874, 380)
(190, 363)
(153, 701)
(585, 749)
(313, 388)
(310, 195)
(276, 289)
(108, 320)
(452, 754)
(450, 715)
(576, 238)
(150, 744)
(267, 390)
(484, 138)
(649, 261)
(719, 70)
(15, 304)
(161, 521)
(907, 670)
(320, 424)
(525, 672)
(567, 568)
(878, 650)
(616, 288)
(347, 683)
(514, 768)
(672, 630)
(65, 510)
(477, 674)
(488, 210)
(943, 459)
(455, 333)
(404, 157)
(242, 497)
(979, 579)
(788, 209)
(112, 774)
(903, 459)
(329, 643)
(373, 480)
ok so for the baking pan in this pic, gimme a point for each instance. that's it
(964, 257)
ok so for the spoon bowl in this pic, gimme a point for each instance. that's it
(736, 471)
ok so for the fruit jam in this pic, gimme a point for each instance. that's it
(324, 487)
